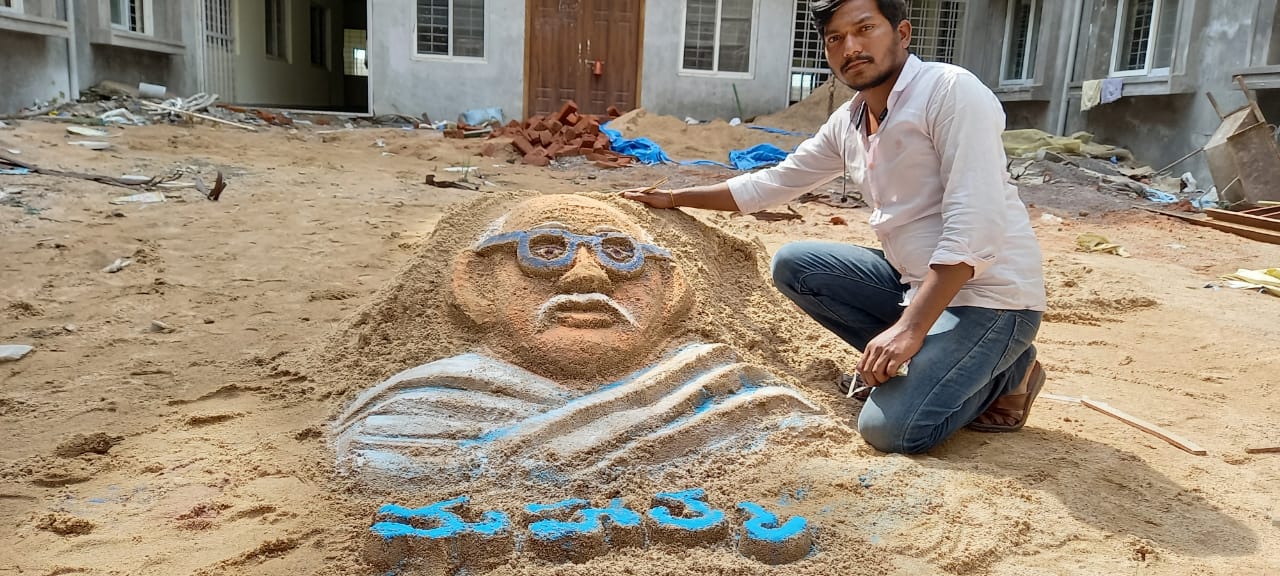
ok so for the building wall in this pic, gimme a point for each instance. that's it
(34, 68)
(1162, 128)
(404, 83)
(97, 60)
(665, 90)
(407, 84)
(291, 82)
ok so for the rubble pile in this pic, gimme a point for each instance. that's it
(540, 139)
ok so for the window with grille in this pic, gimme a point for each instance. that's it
(808, 55)
(1144, 37)
(936, 26)
(451, 28)
(1021, 35)
(319, 36)
(277, 30)
(131, 15)
(355, 55)
(717, 35)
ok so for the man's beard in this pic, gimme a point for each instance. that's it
(872, 83)
(875, 81)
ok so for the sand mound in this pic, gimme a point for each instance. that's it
(809, 114)
(710, 141)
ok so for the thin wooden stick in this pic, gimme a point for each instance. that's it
(656, 184)
(200, 116)
(1266, 450)
(1147, 427)
(1059, 398)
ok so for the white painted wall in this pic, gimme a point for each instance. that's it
(665, 90)
(405, 83)
(295, 82)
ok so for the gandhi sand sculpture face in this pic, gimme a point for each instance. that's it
(571, 288)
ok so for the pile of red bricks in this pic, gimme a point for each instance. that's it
(566, 133)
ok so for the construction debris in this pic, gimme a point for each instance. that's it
(14, 352)
(540, 139)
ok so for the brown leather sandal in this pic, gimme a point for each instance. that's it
(1012, 407)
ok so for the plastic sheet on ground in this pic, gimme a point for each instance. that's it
(1025, 143)
(1159, 196)
(756, 156)
(1266, 280)
(649, 152)
(1090, 242)
(643, 149)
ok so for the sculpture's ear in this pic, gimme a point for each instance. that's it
(468, 288)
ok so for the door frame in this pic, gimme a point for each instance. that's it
(526, 104)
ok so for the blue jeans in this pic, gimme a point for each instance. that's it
(958, 373)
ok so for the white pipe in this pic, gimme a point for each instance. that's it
(1065, 106)
(73, 61)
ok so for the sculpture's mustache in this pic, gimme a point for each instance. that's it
(592, 302)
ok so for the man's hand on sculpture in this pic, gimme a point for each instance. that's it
(886, 353)
(651, 196)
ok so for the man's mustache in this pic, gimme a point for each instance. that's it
(859, 58)
(581, 302)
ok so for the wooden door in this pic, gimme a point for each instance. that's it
(564, 41)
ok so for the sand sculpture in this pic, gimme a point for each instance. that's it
(575, 371)
(553, 347)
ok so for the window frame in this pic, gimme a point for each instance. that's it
(1156, 10)
(146, 23)
(450, 57)
(715, 57)
(15, 6)
(1029, 70)
(282, 35)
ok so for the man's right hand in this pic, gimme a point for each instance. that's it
(653, 197)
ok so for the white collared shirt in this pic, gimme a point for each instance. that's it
(935, 177)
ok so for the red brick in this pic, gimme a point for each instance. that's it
(572, 119)
(570, 107)
(490, 149)
(537, 160)
(545, 137)
(522, 144)
(555, 127)
(454, 133)
(614, 112)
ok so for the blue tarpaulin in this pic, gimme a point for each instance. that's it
(645, 150)
(649, 152)
(756, 156)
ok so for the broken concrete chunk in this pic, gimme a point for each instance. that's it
(14, 352)
(143, 198)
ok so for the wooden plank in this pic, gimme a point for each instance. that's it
(1249, 232)
(1264, 210)
(1059, 398)
(1147, 427)
(1266, 450)
(1244, 219)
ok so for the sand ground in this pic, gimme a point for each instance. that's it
(215, 458)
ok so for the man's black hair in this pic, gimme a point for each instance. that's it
(895, 11)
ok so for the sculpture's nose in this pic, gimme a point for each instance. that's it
(585, 275)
